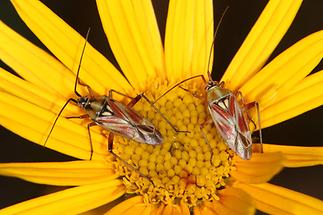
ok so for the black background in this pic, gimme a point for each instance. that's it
(304, 130)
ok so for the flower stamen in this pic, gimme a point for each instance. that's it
(186, 166)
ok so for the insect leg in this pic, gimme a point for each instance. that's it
(78, 117)
(193, 93)
(204, 136)
(133, 101)
(59, 113)
(187, 79)
(114, 91)
(137, 99)
(89, 132)
(256, 105)
(161, 114)
(110, 149)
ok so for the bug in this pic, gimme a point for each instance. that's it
(229, 112)
(112, 115)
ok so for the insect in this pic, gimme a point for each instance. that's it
(112, 115)
(229, 112)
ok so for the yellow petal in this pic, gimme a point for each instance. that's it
(273, 199)
(259, 169)
(203, 211)
(125, 205)
(66, 44)
(71, 201)
(34, 64)
(264, 36)
(297, 156)
(307, 95)
(60, 173)
(37, 95)
(171, 209)
(184, 208)
(285, 71)
(232, 201)
(34, 123)
(189, 35)
(134, 39)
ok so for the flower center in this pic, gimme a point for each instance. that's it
(189, 166)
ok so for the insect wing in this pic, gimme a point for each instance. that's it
(128, 123)
(232, 125)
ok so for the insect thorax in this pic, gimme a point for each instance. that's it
(216, 93)
(94, 107)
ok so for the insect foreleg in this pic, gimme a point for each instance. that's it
(193, 93)
(190, 78)
(89, 89)
(59, 113)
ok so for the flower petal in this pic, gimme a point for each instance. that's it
(171, 209)
(34, 64)
(232, 201)
(261, 41)
(134, 39)
(70, 173)
(34, 123)
(287, 70)
(28, 91)
(32, 93)
(134, 205)
(259, 169)
(297, 156)
(273, 199)
(66, 44)
(307, 95)
(189, 35)
(72, 201)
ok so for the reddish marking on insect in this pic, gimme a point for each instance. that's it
(229, 114)
(111, 115)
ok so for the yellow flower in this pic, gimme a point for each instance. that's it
(190, 171)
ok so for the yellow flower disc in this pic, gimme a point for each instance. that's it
(189, 166)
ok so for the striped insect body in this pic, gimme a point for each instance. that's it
(111, 115)
(230, 119)
(120, 119)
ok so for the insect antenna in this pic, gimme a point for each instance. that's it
(77, 81)
(213, 42)
(209, 61)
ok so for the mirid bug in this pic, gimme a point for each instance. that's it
(114, 116)
(229, 112)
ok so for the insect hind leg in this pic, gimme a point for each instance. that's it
(133, 101)
(161, 114)
(248, 107)
(90, 137)
(136, 99)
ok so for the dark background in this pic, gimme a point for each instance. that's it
(304, 130)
